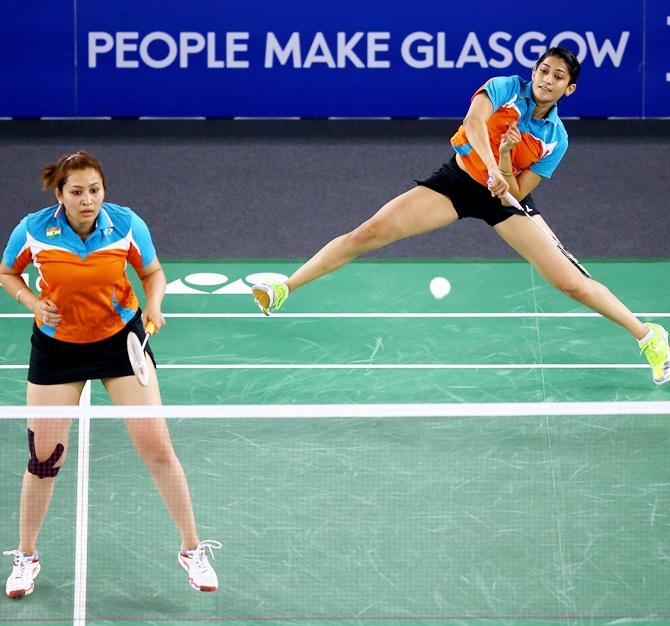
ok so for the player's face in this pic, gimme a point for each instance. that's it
(82, 197)
(551, 81)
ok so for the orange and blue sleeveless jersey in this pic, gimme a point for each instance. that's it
(543, 141)
(86, 280)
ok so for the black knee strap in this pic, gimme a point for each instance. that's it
(43, 469)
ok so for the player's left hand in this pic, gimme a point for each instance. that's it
(151, 314)
(510, 138)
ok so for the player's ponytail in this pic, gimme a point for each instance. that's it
(55, 174)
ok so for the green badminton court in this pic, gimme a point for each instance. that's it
(554, 519)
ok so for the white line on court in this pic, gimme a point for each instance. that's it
(410, 366)
(385, 366)
(402, 315)
(293, 411)
(81, 535)
(382, 315)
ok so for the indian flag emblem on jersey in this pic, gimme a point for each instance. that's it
(53, 232)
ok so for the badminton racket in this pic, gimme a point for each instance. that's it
(510, 199)
(137, 355)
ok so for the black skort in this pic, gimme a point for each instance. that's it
(53, 362)
(470, 199)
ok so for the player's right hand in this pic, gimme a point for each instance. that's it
(496, 183)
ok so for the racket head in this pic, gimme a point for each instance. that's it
(138, 359)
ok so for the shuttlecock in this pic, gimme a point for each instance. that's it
(440, 287)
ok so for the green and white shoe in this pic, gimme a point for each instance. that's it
(657, 351)
(270, 297)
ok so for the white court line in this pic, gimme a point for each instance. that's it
(81, 536)
(374, 315)
(403, 366)
(311, 411)
(386, 366)
(401, 315)
(408, 366)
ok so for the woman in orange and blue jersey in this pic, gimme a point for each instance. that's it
(84, 311)
(510, 140)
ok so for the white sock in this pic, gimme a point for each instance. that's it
(646, 338)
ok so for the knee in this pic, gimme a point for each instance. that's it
(371, 234)
(46, 456)
(157, 456)
(577, 288)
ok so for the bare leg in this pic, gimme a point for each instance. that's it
(36, 492)
(419, 210)
(531, 244)
(151, 439)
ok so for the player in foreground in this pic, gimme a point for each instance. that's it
(510, 139)
(83, 315)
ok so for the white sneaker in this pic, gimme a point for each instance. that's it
(201, 574)
(25, 569)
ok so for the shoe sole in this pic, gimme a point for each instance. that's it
(20, 593)
(263, 298)
(190, 580)
(17, 594)
(204, 589)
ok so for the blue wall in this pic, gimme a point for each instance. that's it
(320, 58)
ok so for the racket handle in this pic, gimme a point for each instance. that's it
(509, 198)
(150, 329)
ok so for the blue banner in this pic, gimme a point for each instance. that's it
(378, 58)
(37, 59)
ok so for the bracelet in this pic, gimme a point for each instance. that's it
(506, 173)
(18, 294)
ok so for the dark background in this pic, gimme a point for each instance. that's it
(246, 189)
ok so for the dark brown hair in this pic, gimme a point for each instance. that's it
(569, 58)
(55, 174)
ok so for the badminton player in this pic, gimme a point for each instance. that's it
(83, 314)
(510, 140)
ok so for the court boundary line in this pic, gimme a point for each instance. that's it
(653, 619)
(613, 619)
(81, 523)
(379, 315)
(381, 366)
(325, 411)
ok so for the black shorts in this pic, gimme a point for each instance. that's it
(54, 362)
(470, 199)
